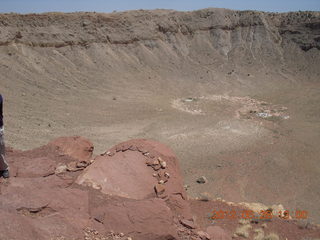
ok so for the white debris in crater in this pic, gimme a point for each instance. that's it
(245, 105)
(180, 105)
(264, 115)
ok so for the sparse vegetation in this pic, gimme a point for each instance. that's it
(243, 231)
(244, 221)
(271, 236)
(259, 234)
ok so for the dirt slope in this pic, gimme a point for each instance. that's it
(235, 94)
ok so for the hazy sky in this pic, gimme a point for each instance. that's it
(28, 6)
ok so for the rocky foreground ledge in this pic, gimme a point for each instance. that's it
(132, 191)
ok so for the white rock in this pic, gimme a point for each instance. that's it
(61, 169)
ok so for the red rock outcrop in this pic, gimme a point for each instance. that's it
(39, 202)
(139, 169)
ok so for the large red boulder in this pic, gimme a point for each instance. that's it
(134, 169)
(139, 169)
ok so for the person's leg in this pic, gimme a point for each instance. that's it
(4, 167)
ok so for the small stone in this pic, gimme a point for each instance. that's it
(108, 153)
(96, 186)
(126, 147)
(149, 162)
(161, 182)
(133, 148)
(202, 180)
(162, 163)
(203, 235)
(186, 187)
(60, 169)
(72, 167)
(19, 35)
(129, 238)
(100, 218)
(167, 175)
(121, 234)
(118, 148)
(155, 175)
(156, 167)
(205, 197)
(82, 164)
(264, 225)
(159, 189)
(85, 23)
(188, 223)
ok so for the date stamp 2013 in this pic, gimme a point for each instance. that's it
(262, 215)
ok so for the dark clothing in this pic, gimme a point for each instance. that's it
(3, 164)
(1, 111)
